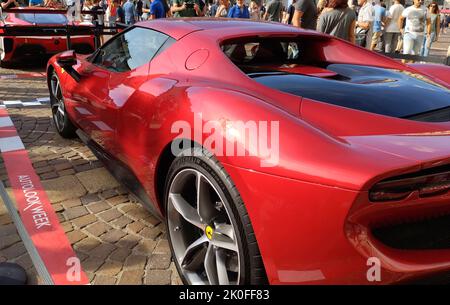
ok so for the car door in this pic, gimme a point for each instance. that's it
(127, 59)
(90, 102)
(140, 46)
(109, 78)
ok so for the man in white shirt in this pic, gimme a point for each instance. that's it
(365, 20)
(392, 30)
(417, 22)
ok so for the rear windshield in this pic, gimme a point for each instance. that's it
(43, 18)
(300, 66)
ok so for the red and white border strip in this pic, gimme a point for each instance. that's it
(41, 101)
(22, 75)
(36, 212)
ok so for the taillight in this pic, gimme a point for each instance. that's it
(398, 189)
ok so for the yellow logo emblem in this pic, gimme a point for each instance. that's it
(209, 232)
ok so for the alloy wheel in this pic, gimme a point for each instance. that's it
(2, 48)
(58, 109)
(202, 234)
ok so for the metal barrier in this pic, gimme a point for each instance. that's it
(97, 30)
(445, 60)
(28, 243)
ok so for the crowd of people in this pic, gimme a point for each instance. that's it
(368, 23)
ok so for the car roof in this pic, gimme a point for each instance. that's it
(177, 28)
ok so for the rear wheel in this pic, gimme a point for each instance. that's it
(209, 231)
(2, 53)
(62, 122)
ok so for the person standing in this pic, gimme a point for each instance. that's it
(157, 10)
(255, 10)
(138, 6)
(446, 23)
(262, 9)
(378, 20)
(290, 12)
(202, 8)
(305, 15)
(97, 16)
(222, 10)
(214, 7)
(239, 10)
(273, 11)
(434, 31)
(182, 8)
(417, 21)
(111, 12)
(364, 23)
(70, 10)
(87, 7)
(392, 31)
(167, 8)
(120, 11)
(338, 19)
(130, 17)
(145, 9)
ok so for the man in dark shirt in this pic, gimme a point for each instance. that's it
(139, 5)
(273, 11)
(186, 8)
(146, 9)
(97, 9)
(305, 15)
(120, 12)
(291, 11)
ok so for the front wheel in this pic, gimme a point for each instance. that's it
(62, 121)
(3, 64)
(209, 231)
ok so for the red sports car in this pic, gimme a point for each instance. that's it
(274, 154)
(16, 48)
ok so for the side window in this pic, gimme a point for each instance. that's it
(262, 52)
(130, 50)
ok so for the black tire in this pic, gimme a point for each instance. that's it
(5, 64)
(63, 125)
(252, 270)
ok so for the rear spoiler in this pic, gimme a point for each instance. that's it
(68, 30)
(31, 10)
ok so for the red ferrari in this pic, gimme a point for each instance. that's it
(274, 154)
(16, 48)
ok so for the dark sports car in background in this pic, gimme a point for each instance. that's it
(355, 176)
(16, 48)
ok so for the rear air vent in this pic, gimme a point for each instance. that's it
(430, 234)
(8, 44)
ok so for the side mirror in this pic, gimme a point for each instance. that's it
(67, 59)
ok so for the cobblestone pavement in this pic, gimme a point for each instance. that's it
(440, 47)
(117, 241)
